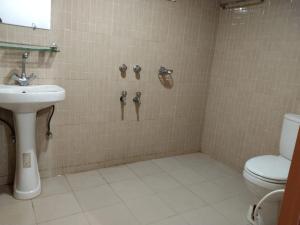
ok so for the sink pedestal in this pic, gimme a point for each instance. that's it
(25, 101)
(27, 182)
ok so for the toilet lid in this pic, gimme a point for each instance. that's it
(269, 166)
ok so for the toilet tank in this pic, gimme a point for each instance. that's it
(289, 132)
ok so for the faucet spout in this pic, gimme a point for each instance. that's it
(24, 58)
(23, 79)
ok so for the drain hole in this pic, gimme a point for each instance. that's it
(23, 92)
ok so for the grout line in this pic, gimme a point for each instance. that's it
(124, 202)
(34, 213)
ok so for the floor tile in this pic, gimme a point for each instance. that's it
(168, 164)
(129, 189)
(55, 206)
(190, 189)
(17, 214)
(54, 185)
(228, 170)
(112, 215)
(181, 199)
(85, 180)
(160, 182)
(236, 212)
(232, 184)
(194, 161)
(149, 209)
(205, 216)
(115, 174)
(175, 220)
(238, 209)
(187, 176)
(210, 192)
(145, 168)
(6, 197)
(212, 172)
(96, 197)
(77, 219)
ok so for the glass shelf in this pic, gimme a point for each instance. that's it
(29, 47)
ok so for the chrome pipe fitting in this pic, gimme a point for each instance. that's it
(123, 68)
(137, 69)
(163, 71)
(137, 98)
(123, 97)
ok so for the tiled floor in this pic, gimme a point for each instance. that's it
(183, 190)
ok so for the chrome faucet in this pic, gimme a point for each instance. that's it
(123, 97)
(137, 98)
(137, 69)
(23, 79)
(123, 68)
(164, 71)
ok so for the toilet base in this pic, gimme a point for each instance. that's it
(260, 188)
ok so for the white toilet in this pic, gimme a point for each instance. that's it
(267, 173)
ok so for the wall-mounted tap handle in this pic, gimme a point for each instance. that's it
(123, 97)
(15, 77)
(163, 71)
(137, 68)
(123, 68)
(137, 98)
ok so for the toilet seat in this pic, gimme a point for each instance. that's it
(269, 168)
(256, 184)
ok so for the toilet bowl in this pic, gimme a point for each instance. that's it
(267, 173)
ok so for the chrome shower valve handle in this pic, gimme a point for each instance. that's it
(137, 69)
(137, 98)
(123, 68)
(163, 71)
(123, 97)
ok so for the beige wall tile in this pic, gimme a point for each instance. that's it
(95, 37)
(254, 81)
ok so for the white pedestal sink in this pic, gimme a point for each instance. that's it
(25, 101)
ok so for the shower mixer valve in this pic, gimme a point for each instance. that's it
(137, 69)
(123, 97)
(163, 71)
(123, 68)
(137, 98)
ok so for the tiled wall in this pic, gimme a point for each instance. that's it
(255, 79)
(95, 37)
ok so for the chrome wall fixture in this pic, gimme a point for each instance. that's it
(123, 103)
(137, 102)
(23, 79)
(137, 69)
(123, 68)
(123, 97)
(164, 71)
(137, 98)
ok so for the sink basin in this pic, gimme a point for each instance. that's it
(25, 101)
(29, 98)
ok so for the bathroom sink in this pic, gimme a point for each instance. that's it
(29, 98)
(25, 101)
